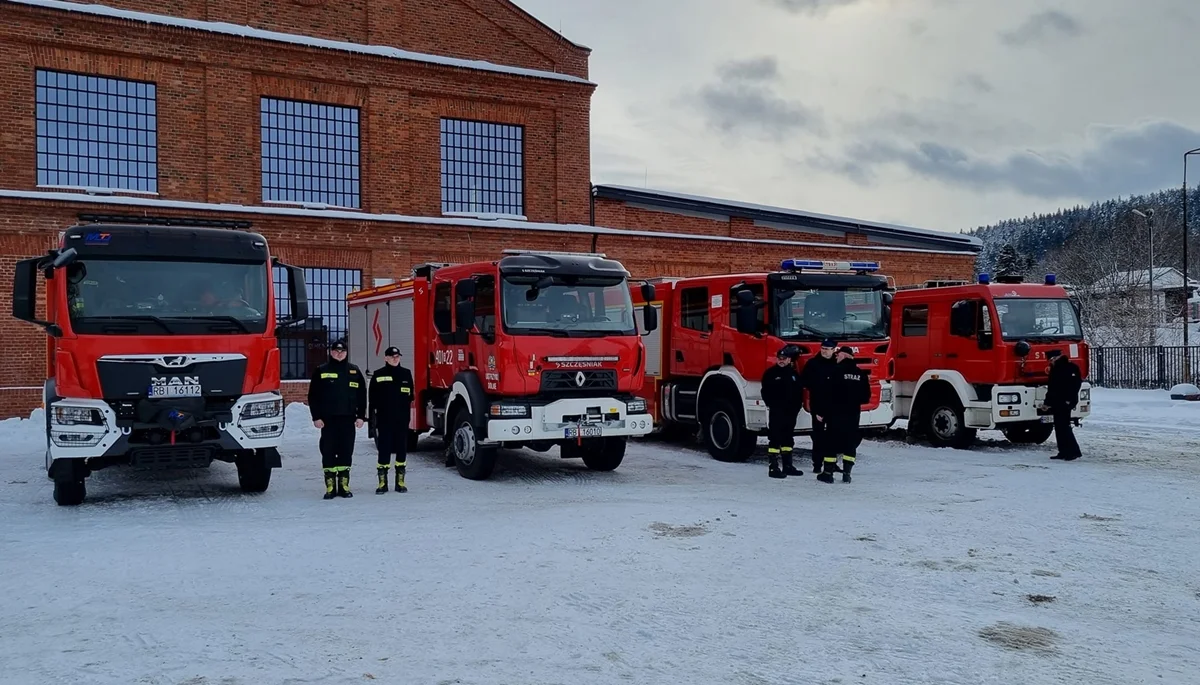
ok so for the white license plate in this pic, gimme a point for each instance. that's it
(1047, 419)
(174, 391)
(582, 432)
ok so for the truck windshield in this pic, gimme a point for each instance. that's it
(1037, 318)
(826, 313)
(116, 296)
(567, 306)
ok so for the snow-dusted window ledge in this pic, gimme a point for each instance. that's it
(312, 205)
(487, 216)
(91, 190)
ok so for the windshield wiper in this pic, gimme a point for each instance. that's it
(232, 320)
(136, 318)
(555, 332)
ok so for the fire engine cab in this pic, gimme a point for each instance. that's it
(973, 356)
(534, 350)
(721, 333)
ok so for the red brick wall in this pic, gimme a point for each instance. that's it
(208, 96)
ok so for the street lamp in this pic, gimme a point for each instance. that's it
(1148, 215)
(1187, 292)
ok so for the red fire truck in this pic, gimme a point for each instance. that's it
(534, 350)
(973, 356)
(720, 333)
(161, 350)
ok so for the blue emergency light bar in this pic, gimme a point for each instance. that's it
(822, 265)
(984, 279)
(1051, 279)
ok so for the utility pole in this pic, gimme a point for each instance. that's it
(1187, 291)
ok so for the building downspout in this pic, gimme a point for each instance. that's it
(592, 214)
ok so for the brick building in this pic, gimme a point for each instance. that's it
(360, 137)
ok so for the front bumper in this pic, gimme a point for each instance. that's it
(1026, 409)
(882, 416)
(80, 428)
(597, 417)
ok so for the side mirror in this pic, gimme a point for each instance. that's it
(648, 292)
(297, 296)
(962, 319)
(465, 315)
(1022, 349)
(65, 257)
(650, 318)
(24, 293)
(887, 317)
(986, 341)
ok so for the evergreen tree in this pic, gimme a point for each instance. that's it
(1009, 262)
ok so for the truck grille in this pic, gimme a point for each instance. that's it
(178, 456)
(562, 381)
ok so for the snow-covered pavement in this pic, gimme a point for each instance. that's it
(935, 566)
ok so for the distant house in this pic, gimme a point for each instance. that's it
(1170, 293)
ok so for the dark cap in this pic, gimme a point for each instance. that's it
(392, 352)
(338, 345)
(846, 350)
(829, 342)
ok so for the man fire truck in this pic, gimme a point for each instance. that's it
(161, 350)
(973, 356)
(720, 333)
(534, 350)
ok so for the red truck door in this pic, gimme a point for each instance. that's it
(691, 350)
(912, 338)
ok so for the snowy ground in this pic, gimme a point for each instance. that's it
(934, 566)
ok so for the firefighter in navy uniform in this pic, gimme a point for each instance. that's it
(817, 379)
(781, 391)
(1062, 395)
(337, 398)
(850, 390)
(391, 396)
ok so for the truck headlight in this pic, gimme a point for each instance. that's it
(636, 406)
(263, 410)
(1085, 395)
(1008, 398)
(77, 416)
(509, 411)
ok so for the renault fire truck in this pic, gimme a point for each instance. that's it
(720, 334)
(972, 356)
(536, 349)
(161, 350)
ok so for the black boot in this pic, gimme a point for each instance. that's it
(330, 484)
(847, 467)
(773, 470)
(788, 468)
(400, 486)
(344, 484)
(383, 481)
(826, 475)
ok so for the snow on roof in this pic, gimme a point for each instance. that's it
(1165, 278)
(276, 210)
(649, 194)
(228, 29)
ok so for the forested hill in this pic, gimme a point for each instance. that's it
(1107, 226)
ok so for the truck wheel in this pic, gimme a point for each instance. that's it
(69, 487)
(946, 425)
(605, 454)
(1029, 434)
(253, 473)
(725, 433)
(474, 461)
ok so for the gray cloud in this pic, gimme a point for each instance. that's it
(1041, 27)
(1118, 161)
(809, 6)
(976, 82)
(743, 100)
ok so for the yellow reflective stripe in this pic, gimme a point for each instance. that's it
(329, 374)
(336, 469)
(401, 464)
(787, 449)
(847, 457)
(830, 460)
(383, 379)
(772, 450)
(405, 390)
(353, 384)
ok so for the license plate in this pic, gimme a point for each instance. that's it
(174, 391)
(1047, 419)
(583, 432)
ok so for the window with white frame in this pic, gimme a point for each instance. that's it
(96, 132)
(483, 168)
(310, 153)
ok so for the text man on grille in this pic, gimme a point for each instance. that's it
(391, 397)
(781, 393)
(337, 398)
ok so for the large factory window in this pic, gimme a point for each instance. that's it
(96, 132)
(483, 168)
(310, 154)
(304, 346)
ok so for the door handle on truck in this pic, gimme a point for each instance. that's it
(902, 355)
(678, 355)
(952, 355)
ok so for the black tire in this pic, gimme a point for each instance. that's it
(70, 489)
(254, 475)
(606, 454)
(1028, 433)
(725, 434)
(945, 424)
(474, 462)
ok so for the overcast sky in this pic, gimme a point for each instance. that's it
(942, 114)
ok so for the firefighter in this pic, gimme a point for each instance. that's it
(781, 393)
(817, 379)
(337, 398)
(391, 396)
(850, 390)
(1062, 394)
